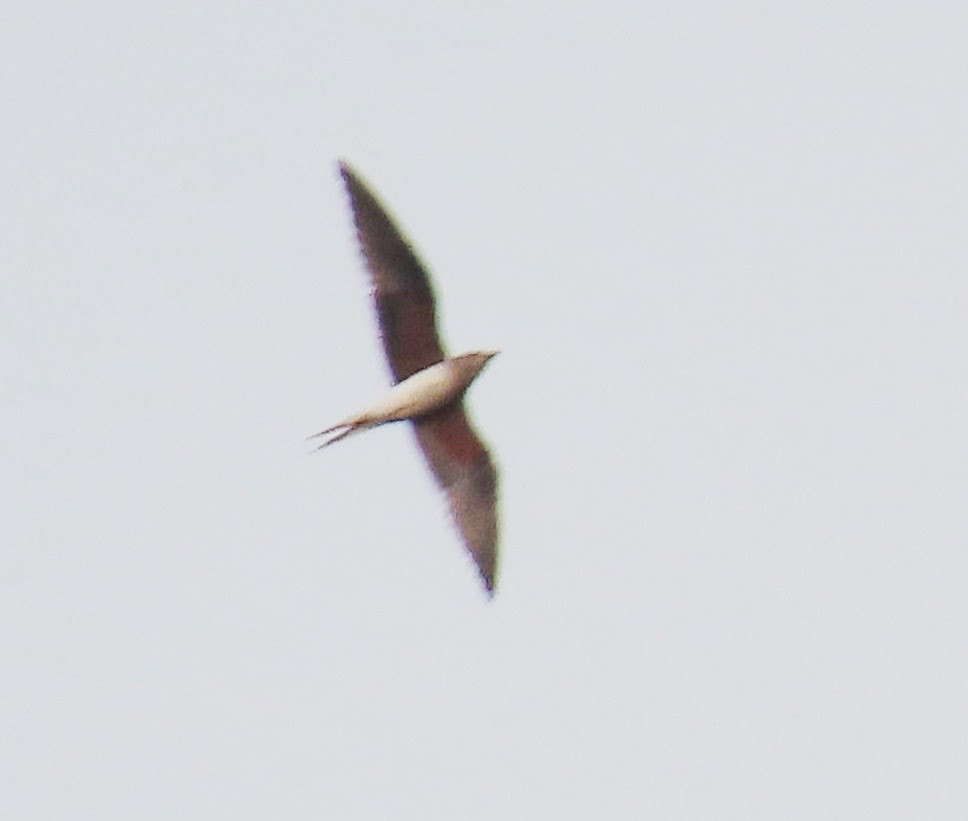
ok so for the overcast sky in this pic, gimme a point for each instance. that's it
(722, 248)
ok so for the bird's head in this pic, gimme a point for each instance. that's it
(481, 358)
(475, 361)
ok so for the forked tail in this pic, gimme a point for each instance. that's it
(340, 431)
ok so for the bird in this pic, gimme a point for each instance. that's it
(429, 386)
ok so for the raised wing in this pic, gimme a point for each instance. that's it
(401, 287)
(463, 468)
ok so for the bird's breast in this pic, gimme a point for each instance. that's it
(424, 392)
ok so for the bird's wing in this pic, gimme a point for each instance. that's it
(463, 468)
(401, 287)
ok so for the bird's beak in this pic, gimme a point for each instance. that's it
(491, 354)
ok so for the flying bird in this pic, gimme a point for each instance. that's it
(429, 385)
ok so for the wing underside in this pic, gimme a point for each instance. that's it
(463, 468)
(402, 293)
(406, 313)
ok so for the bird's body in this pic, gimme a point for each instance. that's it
(429, 386)
(427, 391)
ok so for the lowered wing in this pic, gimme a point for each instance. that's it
(463, 468)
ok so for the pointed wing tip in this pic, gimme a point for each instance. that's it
(489, 588)
(347, 172)
(488, 577)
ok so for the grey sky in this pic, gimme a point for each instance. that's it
(723, 250)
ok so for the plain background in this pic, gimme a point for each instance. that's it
(722, 248)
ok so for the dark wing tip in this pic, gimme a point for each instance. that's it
(354, 183)
(485, 556)
(489, 588)
(347, 172)
(361, 195)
